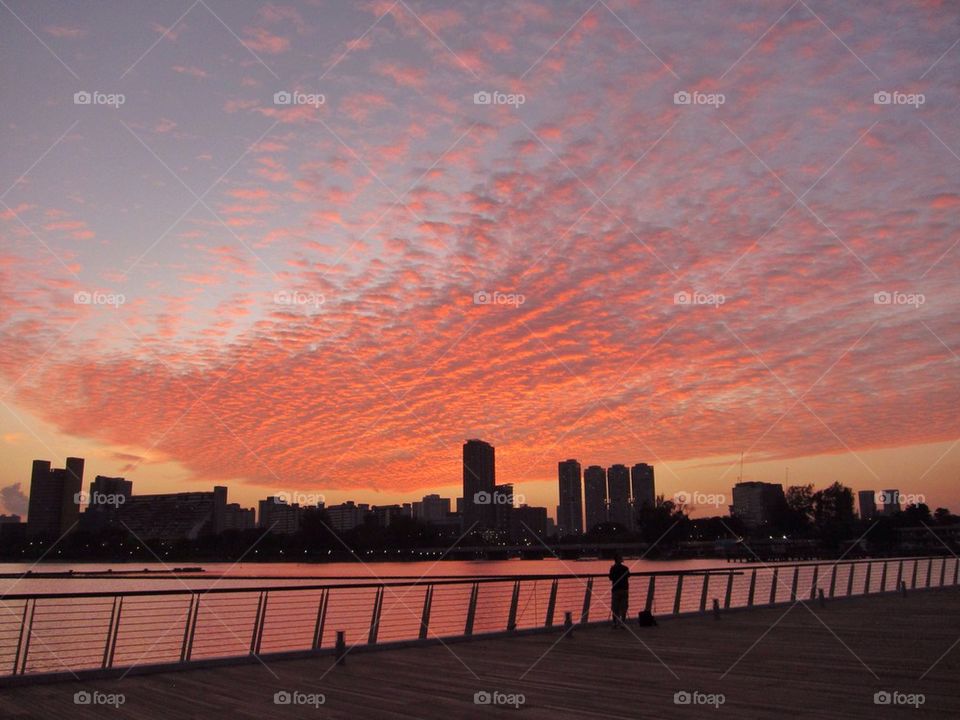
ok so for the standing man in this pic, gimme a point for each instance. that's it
(619, 591)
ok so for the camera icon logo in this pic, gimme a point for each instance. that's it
(82, 697)
(482, 498)
(82, 297)
(681, 298)
(882, 697)
(82, 98)
(882, 98)
(282, 98)
(681, 97)
(282, 697)
(482, 97)
(882, 298)
(682, 697)
(482, 297)
(482, 697)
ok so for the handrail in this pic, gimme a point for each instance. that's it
(47, 633)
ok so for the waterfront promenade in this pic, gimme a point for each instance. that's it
(797, 661)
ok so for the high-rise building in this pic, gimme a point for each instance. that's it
(868, 504)
(278, 516)
(891, 502)
(618, 492)
(347, 516)
(238, 518)
(570, 510)
(432, 509)
(644, 490)
(54, 507)
(174, 516)
(757, 503)
(529, 524)
(479, 479)
(595, 496)
(503, 507)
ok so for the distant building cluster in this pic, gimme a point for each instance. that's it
(605, 495)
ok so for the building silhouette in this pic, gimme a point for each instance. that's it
(529, 524)
(431, 509)
(174, 516)
(757, 504)
(868, 504)
(570, 509)
(479, 480)
(347, 516)
(618, 494)
(891, 502)
(642, 484)
(595, 496)
(278, 516)
(503, 508)
(54, 507)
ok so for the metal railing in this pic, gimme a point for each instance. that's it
(96, 632)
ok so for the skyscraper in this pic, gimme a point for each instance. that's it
(891, 502)
(570, 510)
(868, 504)
(618, 491)
(644, 491)
(479, 479)
(503, 507)
(757, 503)
(595, 496)
(54, 497)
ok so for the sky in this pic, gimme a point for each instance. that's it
(314, 246)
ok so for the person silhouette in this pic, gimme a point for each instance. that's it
(619, 591)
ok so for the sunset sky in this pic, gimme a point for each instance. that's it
(284, 297)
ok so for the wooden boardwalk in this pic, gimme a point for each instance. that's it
(799, 662)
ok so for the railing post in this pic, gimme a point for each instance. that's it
(773, 586)
(584, 616)
(853, 570)
(929, 570)
(943, 571)
(866, 582)
(676, 599)
(813, 585)
(753, 588)
(726, 599)
(471, 609)
(551, 603)
(257, 637)
(833, 579)
(375, 617)
(112, 630)
(321, 618)
(899, 574)
(514, 601)
(956, 571)
(650, 590)
(23, 642)
(883, 577)
(913, 580)
(425, 615)
(796, 580)
(703, 592)
(189, 626)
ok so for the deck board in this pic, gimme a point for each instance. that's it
(799, 662)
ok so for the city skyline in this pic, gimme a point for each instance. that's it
(271, 245)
